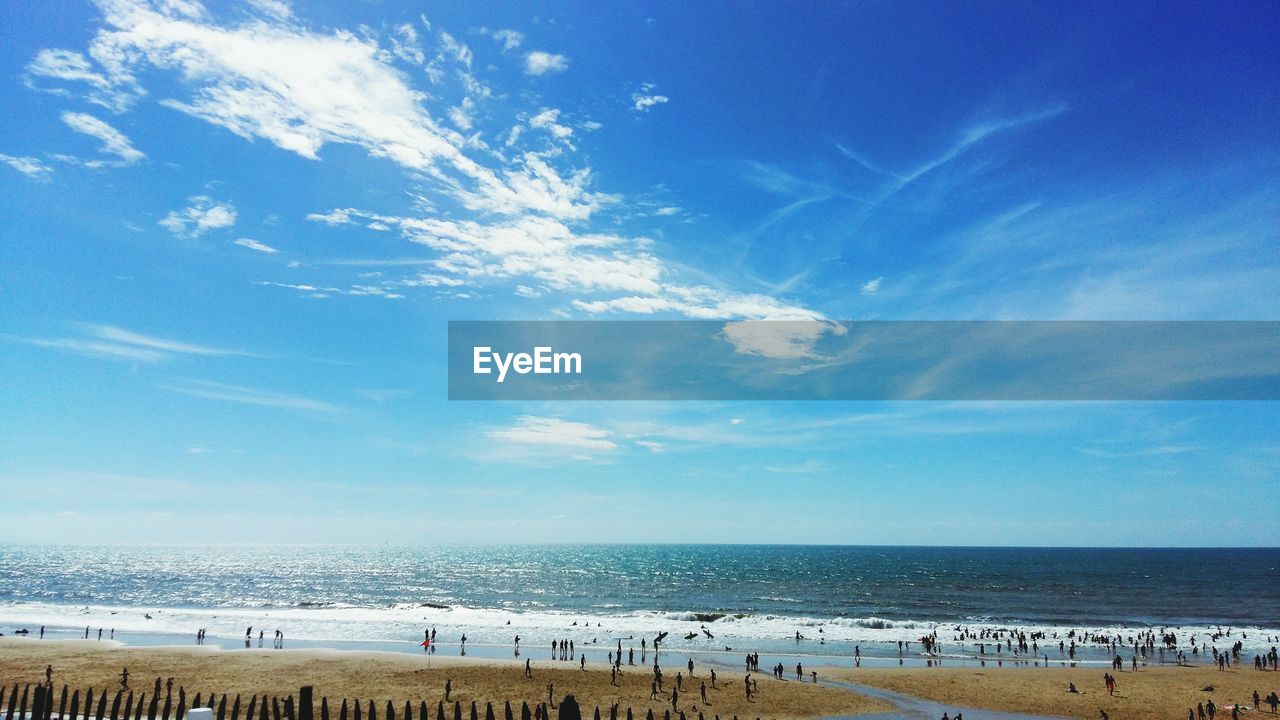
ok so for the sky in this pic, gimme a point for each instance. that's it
(233, 234)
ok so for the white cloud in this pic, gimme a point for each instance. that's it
(110, 341)
(337, 216)
(405, 45)
(531, 429)
(114, 93)
(510, 39)
(548, 120)
(656, 447)
(300, 90)
(525, 291)
(249, 396)
(666, 211)
(275, 8)
(541, 63)
(646, 98)
(202, 215)
(871, 287)
(321, 292)
(113, 141)
(528, 213)
(255, 245)
(29, 166)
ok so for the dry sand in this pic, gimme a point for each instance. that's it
(1150, 693)
(383, 676)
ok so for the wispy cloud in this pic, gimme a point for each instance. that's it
(534, 430)
(510, 39)
(255, 245)
(872, 286)
(202, 215)
(110, 341)
(249, 396)
(29, 166)
(1156, 451)
(116, 93)
(114, 142)
(645, 99)
(541, 63)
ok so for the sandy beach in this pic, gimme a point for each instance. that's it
(1148, 694)
(398, 677)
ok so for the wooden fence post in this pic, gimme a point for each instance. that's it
(37, 708)
(305, 700)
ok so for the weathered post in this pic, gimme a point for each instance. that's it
(37, 710)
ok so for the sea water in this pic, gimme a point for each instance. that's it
(731, 598)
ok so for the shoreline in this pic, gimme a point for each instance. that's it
(825, 642)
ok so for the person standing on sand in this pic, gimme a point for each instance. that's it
(1211, 708)
(746, 683)
(124, 679)
(41, 632)
(675, 698)
(528, 669)
(48, 675)
(448, 688)
(704, 693)
(713, 678)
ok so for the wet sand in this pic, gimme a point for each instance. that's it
(1163, 693)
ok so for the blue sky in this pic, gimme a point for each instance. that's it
(233, 235)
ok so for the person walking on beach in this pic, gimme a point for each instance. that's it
(713, 678)
(48, 675)
(124, 678)
(675, 698)
(528, 669)
(1211, 709)
(746, 683)
(799, 672)
(41, 632)
(653, 690)
(690, 667)
(448, 688)
(703, 690)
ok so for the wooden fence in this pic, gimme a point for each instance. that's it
(36, 702)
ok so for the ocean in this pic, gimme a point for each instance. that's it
(748, 598)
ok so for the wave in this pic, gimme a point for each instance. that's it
(330, 622)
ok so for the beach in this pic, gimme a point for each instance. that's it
(401, 677)
(1148, 694)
